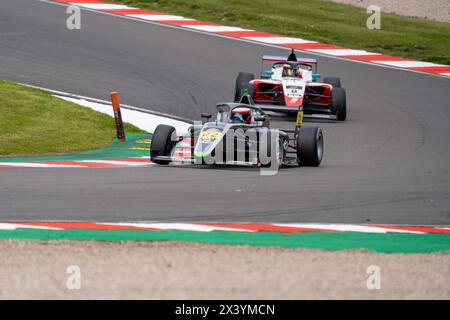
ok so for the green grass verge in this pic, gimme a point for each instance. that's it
(35, 123)
(319, 20)
(390, 242)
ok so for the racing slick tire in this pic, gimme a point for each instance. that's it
(335, 82)
(309, 146)
(161, 143)
(339, 103)
(242, 83)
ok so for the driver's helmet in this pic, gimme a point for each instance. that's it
(241, 115)
(287, 70)
(299, 72)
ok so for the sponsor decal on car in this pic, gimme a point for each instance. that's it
(210, 135)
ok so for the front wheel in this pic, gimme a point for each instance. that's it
(335, 82)
(339, 103)
(242, 83)
(309, 146)
(162, 144)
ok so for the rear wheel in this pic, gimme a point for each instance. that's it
(161, 143)
(242, 83)
(310, 146)
(335, 82)
(339, 103)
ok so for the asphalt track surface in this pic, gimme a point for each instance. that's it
(389, 163)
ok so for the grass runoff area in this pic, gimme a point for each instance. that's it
(33, 122)
(319, 20)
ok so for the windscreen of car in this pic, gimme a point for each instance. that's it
(223, 116)
(304, 67)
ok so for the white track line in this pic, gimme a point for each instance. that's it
(343, 52)
(179, 226)
(278, 40)
(101, 6)
(159, 17)
(411, 64)
(14, 226)
(142, 120)
(119, 163)
(346, 227)
(38, 165)
(215, 28)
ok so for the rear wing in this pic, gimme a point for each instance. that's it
(267, 57)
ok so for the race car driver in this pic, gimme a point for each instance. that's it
(241, 115)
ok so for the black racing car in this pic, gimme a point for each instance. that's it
(240, 135)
